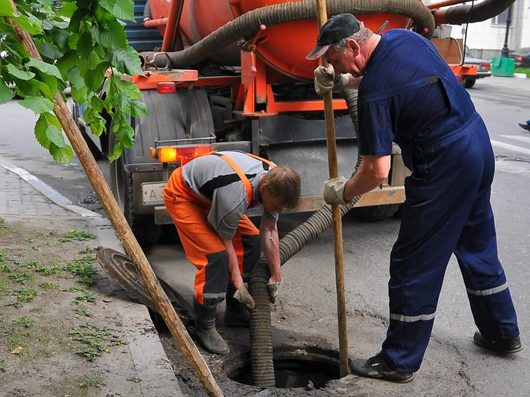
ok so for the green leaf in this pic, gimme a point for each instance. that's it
(115, 154)
(31, 25)
(55, 136)
(40, 131)
(123, 9)
(5, 9)
(110, 34)
(19, 74)
(6, 94)
(126, 60)
(84, 45)
(63, 154)
(49, 51)
(67, 62)
(94, 77)
(67, 10)
(46, 68)
(37, 104)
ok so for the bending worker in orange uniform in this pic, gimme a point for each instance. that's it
(207, 199)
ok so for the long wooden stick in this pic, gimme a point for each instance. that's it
(335, 211)
(164, 306)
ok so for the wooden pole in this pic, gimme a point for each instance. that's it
(335, 211)
(164, 306)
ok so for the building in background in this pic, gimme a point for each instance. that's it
(486, 38)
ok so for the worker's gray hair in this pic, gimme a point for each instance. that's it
(283, 183)
(361, 37)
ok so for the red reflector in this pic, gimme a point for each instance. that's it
(166, 88)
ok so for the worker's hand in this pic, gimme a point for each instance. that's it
(273, 289)
(334, 190)
(324, 79)
(243, 296)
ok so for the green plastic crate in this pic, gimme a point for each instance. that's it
(502, 66)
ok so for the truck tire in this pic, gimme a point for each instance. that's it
(375, 213)
(469, 83)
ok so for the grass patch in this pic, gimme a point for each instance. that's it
(83, 268)
(21, 277)
(81, 309)
(86, 297)
(49, 286)
(88, 251)
(3, 224)
(94, 341)
(3, 364)
(5, 269)
(91, 382)
(76, 235)
(24, 295)
(25, 322)
(523, 70)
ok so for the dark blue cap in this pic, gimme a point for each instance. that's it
(336, 28)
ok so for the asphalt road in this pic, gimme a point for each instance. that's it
(453, 365)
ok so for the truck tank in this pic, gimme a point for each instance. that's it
(282, 47)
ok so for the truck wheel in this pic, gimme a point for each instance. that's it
(143, 226)
(375, 213)
(469, 83)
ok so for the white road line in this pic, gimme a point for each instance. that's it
(513, 148)
(47, 190)
(519, 138)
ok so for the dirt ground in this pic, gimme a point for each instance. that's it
(55, 338)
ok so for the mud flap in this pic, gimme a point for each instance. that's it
(122, 270)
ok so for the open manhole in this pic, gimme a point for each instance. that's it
(310, 368)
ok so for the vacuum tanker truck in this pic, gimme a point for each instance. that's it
(232, 75)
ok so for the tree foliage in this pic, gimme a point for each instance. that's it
(83, 45)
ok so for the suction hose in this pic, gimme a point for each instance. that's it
(470, 13)
(248, 24)
(261, 354)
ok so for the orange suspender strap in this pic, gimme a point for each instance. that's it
(269, 163)
(242, 176)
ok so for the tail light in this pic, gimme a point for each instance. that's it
(519, 58)
(485, 66)
(182, 154)
(166, 87)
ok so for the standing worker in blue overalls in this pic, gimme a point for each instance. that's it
(409, 95)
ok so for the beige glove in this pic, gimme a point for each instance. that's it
(334, 190)
(326, 81)
(274, 290)
(243, 296)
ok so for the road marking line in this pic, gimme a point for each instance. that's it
(513, 148)
(520, 138)
(47, 190)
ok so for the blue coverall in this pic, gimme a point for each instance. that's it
(410, 96)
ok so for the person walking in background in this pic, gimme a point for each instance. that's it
(207, 199)
(409, 95)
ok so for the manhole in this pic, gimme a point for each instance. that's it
(310, 368)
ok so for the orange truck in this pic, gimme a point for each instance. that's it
(232, 75)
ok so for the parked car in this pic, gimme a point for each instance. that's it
(483, 68)
(521, 58)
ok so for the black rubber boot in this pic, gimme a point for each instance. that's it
(205, 329)
(501, 346)
(376, 367)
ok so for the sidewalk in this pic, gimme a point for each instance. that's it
(33, 217)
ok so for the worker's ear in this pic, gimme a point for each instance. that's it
(355, 47)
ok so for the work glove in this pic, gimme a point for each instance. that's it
(273, 289)
(326, 81)
(334, 190)
(243, 296)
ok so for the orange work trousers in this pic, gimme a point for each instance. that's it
(203, 247)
